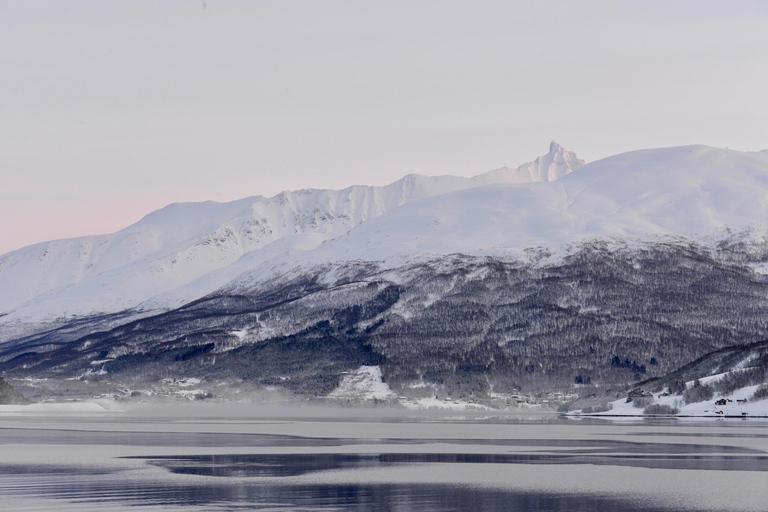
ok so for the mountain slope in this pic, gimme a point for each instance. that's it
(455, 326)
(728, 382)
(696, 193)
(182, 243)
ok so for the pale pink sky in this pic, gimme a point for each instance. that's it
(109, 110)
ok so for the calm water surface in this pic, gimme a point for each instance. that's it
(376, 463)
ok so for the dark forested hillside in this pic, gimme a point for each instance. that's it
(602, 315)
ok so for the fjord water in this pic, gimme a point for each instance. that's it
(246, 458)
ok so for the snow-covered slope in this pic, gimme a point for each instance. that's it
(729, 382)
(696, 192)
(184, 251)
(366, 383)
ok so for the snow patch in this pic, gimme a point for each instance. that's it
(241, 334)
(365, 383)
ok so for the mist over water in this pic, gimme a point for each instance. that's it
(243, 457)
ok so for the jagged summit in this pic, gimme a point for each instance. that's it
(554, 165)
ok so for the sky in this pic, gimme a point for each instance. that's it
(109, 110)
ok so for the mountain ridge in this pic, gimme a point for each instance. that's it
(176, 245)
(693, 193)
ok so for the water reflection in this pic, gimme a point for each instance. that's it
(284, 465)
(281, 481)
(88, 494)
(223, 440)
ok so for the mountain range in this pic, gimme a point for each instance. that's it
(551, 275)
(185, 251)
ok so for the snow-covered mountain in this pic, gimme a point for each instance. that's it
(184, 251)
(623, 270)
(691, 194)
